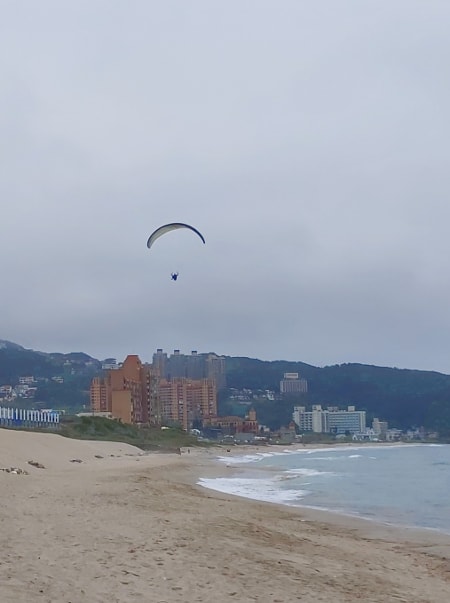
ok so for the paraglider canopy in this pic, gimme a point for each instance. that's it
(167, 228)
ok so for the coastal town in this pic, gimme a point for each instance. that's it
(182, 390)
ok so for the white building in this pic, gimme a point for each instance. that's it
(314, 420)
(111, 365)
(292, 384)
(331, 420)
(350, 420)
(302, 418)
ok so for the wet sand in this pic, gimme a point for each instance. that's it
(125, 527)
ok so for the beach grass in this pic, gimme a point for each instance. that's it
(144, 437)
(166, 439)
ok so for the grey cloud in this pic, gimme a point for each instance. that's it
(308, 141)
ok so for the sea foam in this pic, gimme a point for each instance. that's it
(265, 490)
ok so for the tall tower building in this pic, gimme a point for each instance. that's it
(176, 365)
(184, 401)
(194, 366)
(215, 369)
(160, 362)
(129, 393)
(99, 396)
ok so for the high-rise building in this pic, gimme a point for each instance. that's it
(184, 401)
(176, 365)
(160, 362)
(292, 384)
(99, 395)
(215, 369)
(193, 366)
(140, 393)
(129, 393)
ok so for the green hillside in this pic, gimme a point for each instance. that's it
(147, 438)
(74, 372)
(403, 397)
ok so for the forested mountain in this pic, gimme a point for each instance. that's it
(61, 380)
(403, 397)
(16, 361)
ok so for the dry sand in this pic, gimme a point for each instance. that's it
(135, 528)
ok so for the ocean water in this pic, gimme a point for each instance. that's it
(405, 485)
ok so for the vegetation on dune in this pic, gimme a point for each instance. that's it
(146, 438)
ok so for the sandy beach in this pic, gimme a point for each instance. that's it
(103, 522)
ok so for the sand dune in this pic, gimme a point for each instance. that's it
(54, 451)
(136, 529)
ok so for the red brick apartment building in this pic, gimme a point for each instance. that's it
(232, 424)
(186, 400)
(129, 393)
(135, 393)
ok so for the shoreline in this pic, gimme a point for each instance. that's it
(133, 527)
(368, 527)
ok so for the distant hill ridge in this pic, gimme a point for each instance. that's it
(403, 397)
(9, 345)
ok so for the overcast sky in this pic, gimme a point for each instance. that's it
(307, 140)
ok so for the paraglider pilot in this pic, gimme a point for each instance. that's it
(174, 276)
